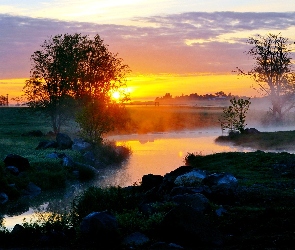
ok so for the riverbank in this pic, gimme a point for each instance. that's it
(220, 201)
(276, 141)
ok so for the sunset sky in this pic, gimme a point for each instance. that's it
(174, 46)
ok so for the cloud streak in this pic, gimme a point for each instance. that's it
(192, 42)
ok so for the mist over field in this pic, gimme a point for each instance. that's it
(200, 115)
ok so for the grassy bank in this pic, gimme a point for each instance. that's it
(48, 173)
(279, 141)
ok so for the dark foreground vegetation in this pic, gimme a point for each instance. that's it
(219, 201)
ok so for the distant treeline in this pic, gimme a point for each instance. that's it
(193, 97)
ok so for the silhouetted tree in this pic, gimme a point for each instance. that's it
(273, 71)
(70, 69)
(3, 100)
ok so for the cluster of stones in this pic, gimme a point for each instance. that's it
(18, 165)
(185, 226)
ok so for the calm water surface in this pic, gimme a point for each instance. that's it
(155, 153)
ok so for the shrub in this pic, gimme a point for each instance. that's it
(234, 117)
(113, 199)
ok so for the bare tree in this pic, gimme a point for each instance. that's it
(272, 71)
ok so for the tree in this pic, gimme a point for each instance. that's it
(3, 100)
(273, 71)
(71, 70)
(97, 118)
(234, 117)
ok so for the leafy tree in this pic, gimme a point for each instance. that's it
(71, 70)
(234, 117)
(3, 100)
(273, 71)
(99, 117)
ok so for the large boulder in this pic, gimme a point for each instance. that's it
(190, 179)
(187, 227)
(100, 229)
(223, 187)
(197, 201)
(168, 180)
(64, 141)
(150, 181)
(17, 161)
(81, 145)
(221, 179)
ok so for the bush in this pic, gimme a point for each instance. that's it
(108, 153)
(86, 173)
(113, 199)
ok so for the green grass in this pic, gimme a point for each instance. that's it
(249, 168)
(280, 140)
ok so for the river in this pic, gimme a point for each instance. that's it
(153, 153)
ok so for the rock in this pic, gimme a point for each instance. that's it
(168, 180)
(165, 246)
(53, 155)
(190, 179)
(223, 187)
(3, 198)
(197, 201)
(67, 161)
(221, 179)
(149, 181)
(189, 190)
(13, 170)
(185, 226)
(100, 229)
(47, 144)
(17, 161)
(179, 171)
(32, 189)
(63, 141)
(81, 145)
(135, 240)
(220, 211)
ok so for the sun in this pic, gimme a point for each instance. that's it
(116, 95)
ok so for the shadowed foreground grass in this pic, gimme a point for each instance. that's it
(263, 215)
